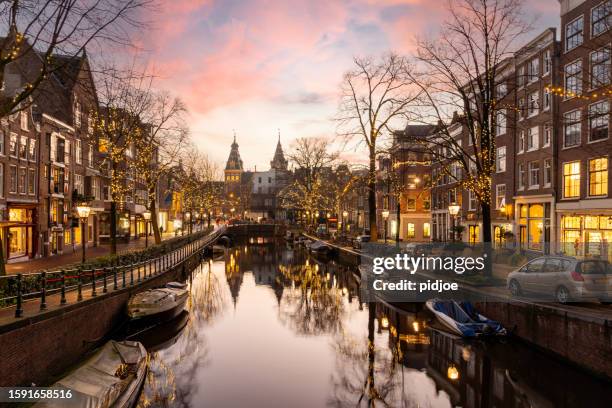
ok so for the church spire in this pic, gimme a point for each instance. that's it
(279, 162)
(234, 162)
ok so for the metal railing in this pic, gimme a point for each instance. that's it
(24, 287)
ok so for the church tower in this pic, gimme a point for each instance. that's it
(233, 167)
(279, 162)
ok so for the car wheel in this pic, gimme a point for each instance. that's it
(515, 288)
(562, 294)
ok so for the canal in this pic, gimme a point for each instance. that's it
(270, 326)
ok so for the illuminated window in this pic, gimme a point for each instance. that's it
(410, 230)
(598, 176)
(571, 179)
(426, 230)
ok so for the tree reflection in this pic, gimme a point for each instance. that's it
(207, 299)
(313, 305)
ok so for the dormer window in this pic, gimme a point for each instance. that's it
(24, 120)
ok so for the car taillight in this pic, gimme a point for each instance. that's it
(577, 276)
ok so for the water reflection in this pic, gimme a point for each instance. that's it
(271, 326)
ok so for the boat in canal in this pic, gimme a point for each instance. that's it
(320, 247)
(176, 285)
(160, 304)
(112, 377)
(463, 320)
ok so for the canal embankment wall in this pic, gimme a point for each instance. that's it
(40, 348)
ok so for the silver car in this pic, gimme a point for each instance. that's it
(567, 279)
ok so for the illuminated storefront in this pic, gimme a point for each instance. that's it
(586, 235)
(18, 232)
(535, 226)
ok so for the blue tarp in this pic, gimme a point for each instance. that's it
(467, 320)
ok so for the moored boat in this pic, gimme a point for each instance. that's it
(462, 319)
(176, 285)
(157, 304)
(112, 377)
(320, 247)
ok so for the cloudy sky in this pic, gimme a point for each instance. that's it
(256, 66)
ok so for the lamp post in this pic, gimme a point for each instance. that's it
(147, 217)
(453, 210)
(83, 210)
(188, 219)
(385, 215)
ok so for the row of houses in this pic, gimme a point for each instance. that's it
(551, 189)
(51, 159)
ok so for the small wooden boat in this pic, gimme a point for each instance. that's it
(157, 304)
(320, 247)
(176, 285)
(112, 377)
(463, 320)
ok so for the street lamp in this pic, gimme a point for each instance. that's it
(188, 219)
(147, 217)
(453, 210)
(385, 215)
(83, 210)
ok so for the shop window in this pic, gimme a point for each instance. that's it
(591, 222)
(571, 179)
(536, 211)
(410, 230)
(67, 237)
(598, 176)
(426, 230)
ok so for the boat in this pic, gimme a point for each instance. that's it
(218, 249)
(176, 285)
(112, 377)
(157, 304)
(162, 335)
(320, 247)
(462, 319)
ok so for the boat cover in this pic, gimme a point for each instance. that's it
(466, 319)
(96, 383)
(153, 297)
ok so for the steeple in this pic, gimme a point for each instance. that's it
(234, 162)
(279, 162)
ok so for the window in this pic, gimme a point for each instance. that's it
(1, 142)
(547, 138)
(426, 230)
(533, 138)
(78, 152)
(547, 100)
(77, 114)
(500, 123)
(601, 18)
(522, 176)
(571, 135)
(24, 120)
(31, 181)
(521, 77)
(599, 119)
(1, 180)
(13, 179)
(95, 191)
(32, 150)
(573, 78)
(598, 176)
(534, 174)
(547, 62)
(533, 106)
(521, 108)
(23, 148)
(90, 155)
(521, 142)
(13, 145)
(571, 179)
(22, 180)
(547, 172)
(471, 200)
(410, 230)
(501, 90)
(533, 69)
(67, 152)
(574, 33)
(78, 184)
(500, 196)
(600, 68)
(411, 204)
(500, 159)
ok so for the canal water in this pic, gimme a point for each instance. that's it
(270, 326)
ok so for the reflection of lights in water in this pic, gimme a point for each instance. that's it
(316, 268)
(452, 373)
(307, 263)
(466, 353)
(415, 326)
(327, 276)
(246, 249)
(384, 322)
(344, 291)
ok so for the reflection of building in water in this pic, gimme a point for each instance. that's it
(233, 273)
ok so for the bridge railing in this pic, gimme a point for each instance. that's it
(76, 283)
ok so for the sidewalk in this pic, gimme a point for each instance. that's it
(69, 257)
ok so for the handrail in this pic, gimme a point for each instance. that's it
(16, 289)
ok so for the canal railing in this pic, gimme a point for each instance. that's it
(75, 284)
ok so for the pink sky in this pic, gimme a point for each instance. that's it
(261, 65)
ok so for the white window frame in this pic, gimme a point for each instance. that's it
(579, 75)
(547, 59)
(547, 180)
(565, 126)
(591, 22)
(497, 196)
(592, 118)
(533, 136)
(547, 135)
(567, 25)
(565, 197)
(530, 168)
(499, 168)
(607, 67)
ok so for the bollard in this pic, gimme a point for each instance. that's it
(43, 291)
(93, 283)
(104, 271)
(19, 309)
(123, 272)
(115, 278)
(79, 287)
(63, 295)
(132, 276)
(139, 266)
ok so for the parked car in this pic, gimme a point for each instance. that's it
(360, 240)
(567, 279)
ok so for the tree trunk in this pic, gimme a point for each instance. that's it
(113, 228)
(399, 224)
(2, 261)
(372, 196)
(155, 221)
(486, 238)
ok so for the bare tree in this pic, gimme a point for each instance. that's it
(158, 149)
(375, 95)
(40, 31)
(462, 66)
